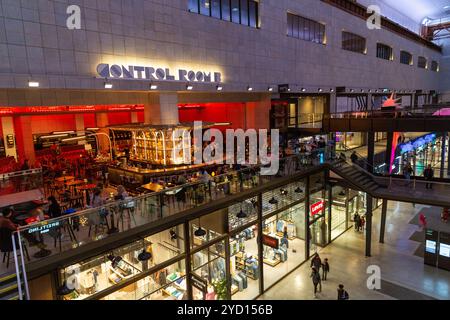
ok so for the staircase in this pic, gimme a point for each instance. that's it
(357, 176)
(8, 287)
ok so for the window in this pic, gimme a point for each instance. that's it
(422, 62)
(406, 58)
(353, 42)
(384, 52)
(238, 11)
(434, 66)
(305, 29)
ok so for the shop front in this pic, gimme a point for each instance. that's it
(236, 252)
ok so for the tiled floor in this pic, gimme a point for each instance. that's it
(404, 271)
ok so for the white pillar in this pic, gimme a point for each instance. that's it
(162, 109)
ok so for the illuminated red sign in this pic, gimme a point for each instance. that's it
(270, 241)
(317, 208)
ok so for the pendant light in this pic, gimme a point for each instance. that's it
(342, 193)
(144, 255)
(64, 289)
(173, 235)
(284, 192)
(298, 190)
(273, 201)
(241, 214)
(199, 232)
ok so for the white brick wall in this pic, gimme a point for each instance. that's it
(34, 41)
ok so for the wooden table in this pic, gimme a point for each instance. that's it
(65, 179)
(73, 184)
(155, 187)
(85, 189)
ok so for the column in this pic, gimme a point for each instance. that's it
(383, 220)
(307, 230)
(102, 123)
(79, 124)
(369, 205)
(8, 131)
(387, 159)
(162, 109)
(333, 103)
(134, 117)
(257, 114)
(370, 150)
(24, 139)
(369, 102)
(444, 145)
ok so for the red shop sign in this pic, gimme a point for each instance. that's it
(270, 241)
(317, 208)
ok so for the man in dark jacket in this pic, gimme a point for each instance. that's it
(342, 293)
(325, 269)
(428, 174)
(354, 157)
(316, 262)
(5, 220)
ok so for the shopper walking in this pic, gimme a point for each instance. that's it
(316, 262)
(428, 174)
(423, 221)
(407, 172)
(325, 269)
(362, 223)
(357, 221)
(317, 282)
(342, 293)
(354, 157)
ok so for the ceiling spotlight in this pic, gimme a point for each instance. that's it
(249, 88)
(108, 85)
(173, 235)
(189, 87)
(219, 88)
(362, 90)
(153, 87)
(320, 89)
(352, 90)
(33, 84)
(270, 89)
(370, 90)
(331, 90)
(303, 90)
(284, 192)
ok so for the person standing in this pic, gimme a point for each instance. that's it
(423, 221)
(428, 174)
(354, 157)
(54, 210)
(325, 269)
(315, 276)
(342, 293)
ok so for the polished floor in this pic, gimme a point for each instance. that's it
(403, 274)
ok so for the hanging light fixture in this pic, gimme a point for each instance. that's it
(241, 214)
(144, 255)
(173, 235)
(273, 201)
(298, 190)
(342, 193)
(199, 232)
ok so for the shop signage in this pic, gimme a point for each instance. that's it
(44, 228)
(271, 241)
(116, 71)
(199, 283)
(10, 141)
(317, 208)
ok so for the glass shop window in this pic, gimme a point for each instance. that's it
(244, 264)
(284, 243)
(242, 213)
(209, 281)
(208, 228)
(276, 199)
(166, 284)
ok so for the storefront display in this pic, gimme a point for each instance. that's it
(349, 140)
